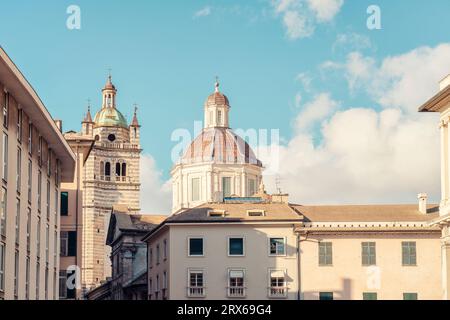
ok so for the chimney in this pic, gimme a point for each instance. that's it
(422, 202)
(59, 124)
(444, 83)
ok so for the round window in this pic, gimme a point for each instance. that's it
(111, 137)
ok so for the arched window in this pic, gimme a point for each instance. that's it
(102, 168)
(108, 169)
(117, 169)
(124, 169)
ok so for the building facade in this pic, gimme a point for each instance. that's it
(35, 160)
(217, 164)
(128, 256)
(441, 103)
(270, 249)
(107, 174)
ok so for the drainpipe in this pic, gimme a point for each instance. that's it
(299, 279)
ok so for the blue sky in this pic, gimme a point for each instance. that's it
(165, 58)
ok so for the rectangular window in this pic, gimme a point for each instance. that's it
(2, 267)
(157, 254)
(196, 283)
(64, 209)
(219, 118)
(40, 151)
(28, 229)
(195, 189)
(368, 253)
(5, 157)
(326, 296)
(277, 246)
(27, 279)
(62, 285)
(409, 257)
(39, 190)
(38, 276)
(46, 283)
(6, 109)
(47, 242)
(47, 203)
(370, 296)
(19, 170)
(16, 274)
(30, 138)
(38, 237)
(165, 249)
(195, 246)
(325, 253)
(17, 221)
(235, 246)
(236, 286)
(251, 187)
(49, 162)
(410, 296)
(277, 284)
(3, 212)
(19, 124)
(226, 187)
(68, 243)
(150, 257)
(56, 203)
(30, 179)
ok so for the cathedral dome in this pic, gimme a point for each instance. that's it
(220, 145)
(110, 117)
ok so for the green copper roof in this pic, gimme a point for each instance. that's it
(110, 117)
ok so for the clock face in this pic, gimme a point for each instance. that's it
(111, 137)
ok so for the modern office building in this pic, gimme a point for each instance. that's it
(35, 159)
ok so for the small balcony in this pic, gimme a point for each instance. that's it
(236, 292)
(278, 292)
(196, 292)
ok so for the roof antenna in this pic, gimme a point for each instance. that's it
(277, 183)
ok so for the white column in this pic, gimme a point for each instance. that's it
(442, 128)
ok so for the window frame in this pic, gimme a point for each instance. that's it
(203, 284)
(409, 263)
(284, 254)
(326, 263)
(369, 255)
(229, 238)
(189, 247)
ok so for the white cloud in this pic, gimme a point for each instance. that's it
(318, 109)
(300, 17)
(297, 25)
(404, 81)
(204, 12)
(325, 10)
(365, 155)
(352, 41)
(156, 194)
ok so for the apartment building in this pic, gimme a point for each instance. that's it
(266, 248)
(225, 251)
(35, 159)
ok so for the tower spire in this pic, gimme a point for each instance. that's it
(88, 117)
(135, 122)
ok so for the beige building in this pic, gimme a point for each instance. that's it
(107, 173)
(35, 158)
(225, 251)
(441, 103)
(269, 249)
